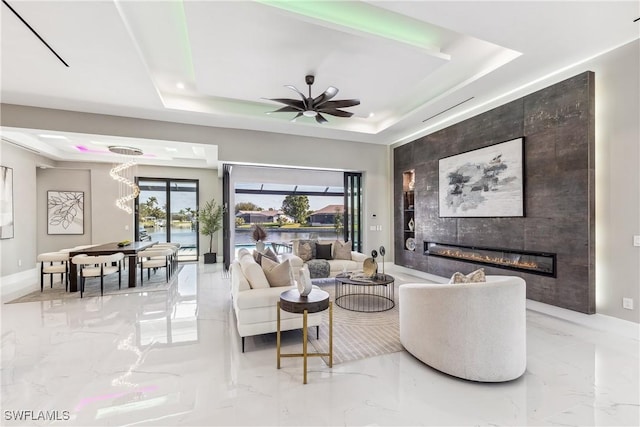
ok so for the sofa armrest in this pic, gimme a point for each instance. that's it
(358, 257)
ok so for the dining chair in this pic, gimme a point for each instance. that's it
(52, 263)
(154, 258)
(175, 247)
(98, 266)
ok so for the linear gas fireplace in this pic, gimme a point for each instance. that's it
(529, 262)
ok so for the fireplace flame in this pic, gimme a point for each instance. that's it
(455, 253)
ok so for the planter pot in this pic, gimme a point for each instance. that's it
(210, 258)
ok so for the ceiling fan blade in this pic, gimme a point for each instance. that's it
(286, 110)
(320, 119)
(297, 115)
(325, 96)
(295, 89)
(299, 105)
(335, 112)
(342, 103)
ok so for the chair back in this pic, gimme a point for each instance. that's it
(53, 257)
(155, 252)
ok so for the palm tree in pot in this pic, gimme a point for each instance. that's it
(210, 221)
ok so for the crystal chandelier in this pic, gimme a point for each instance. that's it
(123, 173)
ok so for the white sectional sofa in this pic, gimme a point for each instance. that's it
(255, 307)
(336, 266)
(475, 331)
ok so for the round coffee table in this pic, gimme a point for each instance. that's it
(316, 301)
(365, 295)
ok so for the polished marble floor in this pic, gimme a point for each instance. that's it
(173, 358)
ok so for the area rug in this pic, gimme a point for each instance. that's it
(358, 335)
(92, 287)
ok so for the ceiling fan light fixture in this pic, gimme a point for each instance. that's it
(315, 107)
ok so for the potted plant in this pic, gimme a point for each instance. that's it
(210, 221)
(259, 236)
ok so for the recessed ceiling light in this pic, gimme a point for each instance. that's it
(371, 114)
(180, 85)
(52, 136)
(171, 149)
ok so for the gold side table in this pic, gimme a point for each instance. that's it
(316, 301)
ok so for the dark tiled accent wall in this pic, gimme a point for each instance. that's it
(558, 126)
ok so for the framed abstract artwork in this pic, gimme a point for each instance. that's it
(65, 212)
(6, 203)
(487, 182)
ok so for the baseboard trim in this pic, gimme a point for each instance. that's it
(16, 285)
(597, 321)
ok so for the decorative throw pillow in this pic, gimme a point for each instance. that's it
(258, 256)
(304, 251)
(323, 251)
(253, 272)
(271, 255)
(277, 274)
(341, 250)
(473, 277)
(297, 244)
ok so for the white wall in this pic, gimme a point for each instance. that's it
(617, 180)
(21, 248)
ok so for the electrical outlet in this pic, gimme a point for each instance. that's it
(636, 240)
(19, 263)
(627, 303)
(126, 228)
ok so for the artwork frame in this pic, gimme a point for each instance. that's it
(7, 218)
(487, 182)
(65, 212)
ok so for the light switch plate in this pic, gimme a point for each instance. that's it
(636, 240)
(627, 303)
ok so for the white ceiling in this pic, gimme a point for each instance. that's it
(405, 60)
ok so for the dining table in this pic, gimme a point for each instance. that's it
(130, 251)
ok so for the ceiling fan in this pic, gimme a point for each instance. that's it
(312, 107)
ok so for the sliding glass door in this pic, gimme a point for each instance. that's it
(165, 212)
(353, 209)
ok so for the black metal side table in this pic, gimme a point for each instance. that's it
(316, 301)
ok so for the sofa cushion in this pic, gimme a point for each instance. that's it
(277, 274)
(297, 243)
(305, 251)
(323, 251)
(266, 254)
(253, 273)
(476, 276)
(341, 250)
(242, 252)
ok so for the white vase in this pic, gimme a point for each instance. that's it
(260, 246)
(411, 224)
(304, 282)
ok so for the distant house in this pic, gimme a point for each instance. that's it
(326, 215)
(259, 217)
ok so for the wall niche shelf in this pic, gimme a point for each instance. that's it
(408, 209)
